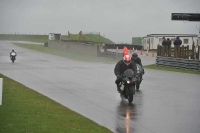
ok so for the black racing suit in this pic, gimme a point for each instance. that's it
(121, 67)
(138, 61)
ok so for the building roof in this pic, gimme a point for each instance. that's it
(171, 35)
(55, 33)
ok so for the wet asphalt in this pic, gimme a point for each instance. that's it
(167, 102)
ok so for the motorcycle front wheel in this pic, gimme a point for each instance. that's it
(131, 93)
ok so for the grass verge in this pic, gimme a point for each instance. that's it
(66, 54)
(32, 38)
(166, 68)
(25, 111)
(96, 39)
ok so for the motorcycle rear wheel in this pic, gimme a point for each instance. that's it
(138, 86)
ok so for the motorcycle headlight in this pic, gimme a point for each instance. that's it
(128, 82)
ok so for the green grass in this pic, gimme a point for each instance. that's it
(44, 38)
(32, 38)
(26, 111)
(67, 54)
(89, 37)
(166, 68)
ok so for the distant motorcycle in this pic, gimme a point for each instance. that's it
(139, 76)
(13, 56)
(127, 85)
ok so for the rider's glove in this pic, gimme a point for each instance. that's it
(119, 77)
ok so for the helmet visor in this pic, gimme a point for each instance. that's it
(127, 62)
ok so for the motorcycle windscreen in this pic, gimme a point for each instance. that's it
(139, 68)
(129, 73)
(13, 53)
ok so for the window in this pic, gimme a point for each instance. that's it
(172, 40)
(160, 40)
(148, 41)
(151, 40)
(185, 41)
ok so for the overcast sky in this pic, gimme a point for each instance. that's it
(118, 20)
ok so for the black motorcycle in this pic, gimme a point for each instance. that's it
(127, 85)
(139, 76)
(13, 56)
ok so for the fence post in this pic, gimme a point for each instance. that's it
(182, 51)
(178, 52)
(198, 53)
(192, 57)
(170, 50)
(166, 50)
(163, 50)
(1, 88)
(187, 51)
(175, 52)
(158, 50)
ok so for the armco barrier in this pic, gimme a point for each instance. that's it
(121, 46)
(178, 62)
(114, 55)
(76, 47)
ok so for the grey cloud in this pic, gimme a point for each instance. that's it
(118, 20)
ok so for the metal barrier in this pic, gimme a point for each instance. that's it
(178, 62)
(114, 55)
(121, 46)
(78, 41)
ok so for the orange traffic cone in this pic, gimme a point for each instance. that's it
(141, 52)
(147, 53)
(153, 54)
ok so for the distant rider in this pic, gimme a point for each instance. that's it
(13, 50)
(122, 66)
(137, 60)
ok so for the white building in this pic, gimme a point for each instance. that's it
(152, 40)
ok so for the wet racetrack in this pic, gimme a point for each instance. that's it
(167, 102)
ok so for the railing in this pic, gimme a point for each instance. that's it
(77, 41)
(121, 46)
(178, 51)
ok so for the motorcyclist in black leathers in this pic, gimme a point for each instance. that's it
(122, 66)
(137, 60)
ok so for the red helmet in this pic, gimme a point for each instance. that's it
(127, 59)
